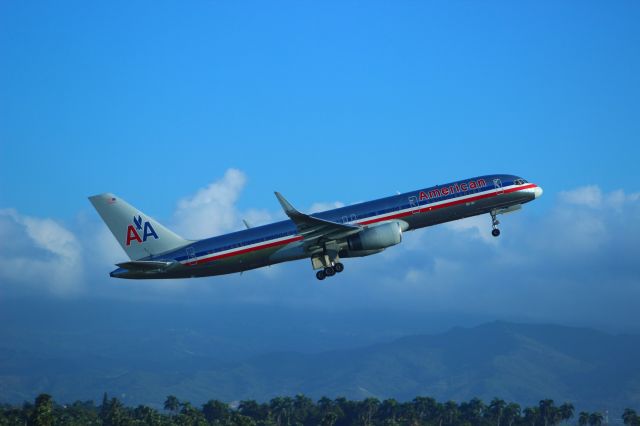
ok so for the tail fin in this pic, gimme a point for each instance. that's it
(139, 235)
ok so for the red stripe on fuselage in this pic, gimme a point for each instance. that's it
(247, 250)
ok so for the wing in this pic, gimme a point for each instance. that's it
(313, 229)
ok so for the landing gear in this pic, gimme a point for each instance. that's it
(494, 223)
(328, 263)
(329, 271)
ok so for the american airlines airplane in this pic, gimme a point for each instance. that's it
(354, 231)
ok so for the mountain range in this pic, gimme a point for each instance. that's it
(516, 362)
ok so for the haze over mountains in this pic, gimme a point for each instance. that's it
(264, 353)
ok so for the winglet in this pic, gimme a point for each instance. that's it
(286, 206)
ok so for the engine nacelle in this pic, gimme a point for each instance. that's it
(376, 237)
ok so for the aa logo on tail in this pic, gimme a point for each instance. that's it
(147, 230)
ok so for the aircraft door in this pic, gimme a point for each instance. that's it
(498, 185)
(413, 204)
(191, 256)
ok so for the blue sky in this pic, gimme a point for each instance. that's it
(326, 102)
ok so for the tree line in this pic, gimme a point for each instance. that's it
(301, 410)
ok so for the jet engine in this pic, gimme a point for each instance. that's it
(376, 237)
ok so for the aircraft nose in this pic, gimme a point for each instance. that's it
(537, 191)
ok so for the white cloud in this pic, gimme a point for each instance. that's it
(476, 227)
(577, 262)
(40, 253)
(320, 207)
(211, 210)
(259, 217)
(590, 196)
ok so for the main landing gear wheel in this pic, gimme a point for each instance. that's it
(495, 232)
(329, 271)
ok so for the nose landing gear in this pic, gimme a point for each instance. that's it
(494, 224)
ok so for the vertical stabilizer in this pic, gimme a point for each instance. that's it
(139, 235)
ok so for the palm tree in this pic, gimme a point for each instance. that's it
(369, 407)
(282, 408)
(43, 411)
(278, 408)
(565, 411)
(583, 418)
(303, 408)
(329, 419)
(104, 406)
(531, 415)
(389, 409)
(630, 417)
(250, 408)
(172, 404)
(189, 415)
(496, 410)
(595, 419)
(472, 411)
(547, 411)
(451, 412)
(348, 408)
(146, 415)
(115, 412)
(216, 410)
(238, 419)
(328, 410)
(511, 413)
(424, 407)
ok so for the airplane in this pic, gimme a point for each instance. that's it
(327, 237)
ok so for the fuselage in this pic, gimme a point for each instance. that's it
(281, 241)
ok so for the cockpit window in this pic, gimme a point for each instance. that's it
(519, 181)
